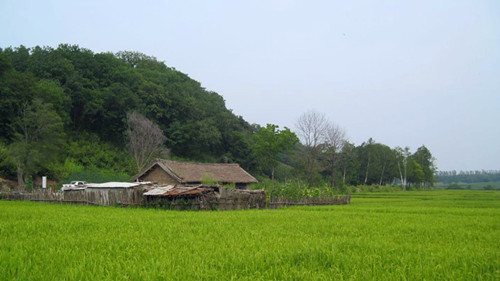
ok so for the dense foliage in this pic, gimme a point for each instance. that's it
(426, 235)
(91, 94)
(63, 113)
(370, 163)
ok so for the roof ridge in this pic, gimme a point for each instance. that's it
(201, 163)
(186, 172)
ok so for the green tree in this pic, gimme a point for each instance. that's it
(377, 163)
(269, 143)
(5, 63)
(16, 89)
(416, 174)
(348, 163)
(19, 57)
(425, 159)
(365, 154)
(51, 92)
(386, 165)
(38, 139)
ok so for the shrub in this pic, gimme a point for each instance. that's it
(488, 187)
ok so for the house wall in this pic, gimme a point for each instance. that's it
(158, 175)
(242, 186)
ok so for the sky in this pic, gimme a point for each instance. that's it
(405, 73)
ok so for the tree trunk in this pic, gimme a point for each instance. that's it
(20, 179)
(382, 174)
(343, 176)
(272, 178)
(404, 182)
(367, 169)
(310, 172)
(333, 172)
(401, 176)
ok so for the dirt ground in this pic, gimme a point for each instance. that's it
(5, 183)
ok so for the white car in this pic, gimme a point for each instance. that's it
(74, 185)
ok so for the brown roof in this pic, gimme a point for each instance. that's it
(188, 172)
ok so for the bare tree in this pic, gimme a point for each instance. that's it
(311, 127)
(145, 139)
(38, 139)
(335, 137)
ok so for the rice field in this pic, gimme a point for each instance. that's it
(432, 235)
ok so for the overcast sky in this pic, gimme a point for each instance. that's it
(406, 73)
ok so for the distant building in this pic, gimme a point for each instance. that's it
(166, 172)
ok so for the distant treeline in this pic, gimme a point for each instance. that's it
(468, 176)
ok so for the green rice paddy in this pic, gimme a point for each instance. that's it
(431, 235)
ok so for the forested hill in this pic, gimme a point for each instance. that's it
(92, 92)
(63, 114)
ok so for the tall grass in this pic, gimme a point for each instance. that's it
(432, 235)
(298, 190)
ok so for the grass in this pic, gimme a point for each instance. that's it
(433, 235)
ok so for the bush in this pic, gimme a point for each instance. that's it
(454, 186)
(90, 152)
(488, 187)
(98, 176)
(296, 189)
(7, 167)
(377, 188)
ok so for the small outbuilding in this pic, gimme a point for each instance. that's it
(203, 197)
(167, 172)
(109, 193)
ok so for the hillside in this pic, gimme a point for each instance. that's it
(92, 92)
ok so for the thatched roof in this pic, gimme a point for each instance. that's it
(188, 172)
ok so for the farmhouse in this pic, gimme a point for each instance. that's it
(166, 172)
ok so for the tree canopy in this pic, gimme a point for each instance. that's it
(65, 109)
(269, 143)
